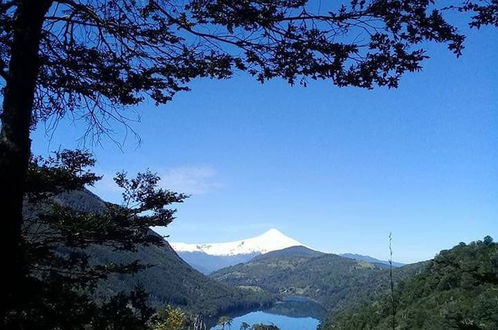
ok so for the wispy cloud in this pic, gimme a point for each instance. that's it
(191, 180)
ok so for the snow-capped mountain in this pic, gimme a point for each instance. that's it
(209, 257)
(271, 240)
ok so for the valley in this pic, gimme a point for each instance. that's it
(334, 283)
(167, 279)
(275, 279)
(249, 165)
(456, 289)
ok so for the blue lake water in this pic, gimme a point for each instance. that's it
(294, 313)
(282, 321)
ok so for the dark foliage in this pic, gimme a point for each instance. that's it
(264, 327)
(61, 277)
(96, 56)
(90, 255)
(458, 290)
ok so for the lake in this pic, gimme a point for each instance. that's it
(282, 321)
(292, 314)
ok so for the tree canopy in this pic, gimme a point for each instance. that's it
(61, 278)
(457, 290)
(91, 58)
(96, 56)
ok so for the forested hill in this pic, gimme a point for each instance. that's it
(336, 282)
(457, 290)
(169, 280)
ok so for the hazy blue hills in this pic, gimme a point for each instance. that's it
(210, 257)
(207, 264)
(370, 259)
(458, 289)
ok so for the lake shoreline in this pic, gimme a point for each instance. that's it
(290, 310)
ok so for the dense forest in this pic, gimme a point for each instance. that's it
(336, 282)
(456, 290)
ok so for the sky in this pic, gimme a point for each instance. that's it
(335, 168)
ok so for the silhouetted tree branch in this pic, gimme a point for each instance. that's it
(93, 58)
(58, 237)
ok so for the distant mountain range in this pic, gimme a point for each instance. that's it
(381, 263)
(210, 257)
(271, 240)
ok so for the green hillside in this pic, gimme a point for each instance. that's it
(457, 290)
(168, 280)
(336, 282)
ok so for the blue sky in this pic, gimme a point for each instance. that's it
(335, 168)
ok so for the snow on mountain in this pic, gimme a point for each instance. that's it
(271, 240)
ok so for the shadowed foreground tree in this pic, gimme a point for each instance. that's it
(91, 58)
(245, 326)
(225, 321)
(171, 318)
(265, 327)
(59, 289)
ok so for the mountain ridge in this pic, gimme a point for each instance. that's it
(210, 257)
(337, 283)
(271, 240)
(167, 280)
(370, 259)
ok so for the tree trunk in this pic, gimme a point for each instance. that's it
(15, 144)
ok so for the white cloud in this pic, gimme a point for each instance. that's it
(190, 180)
